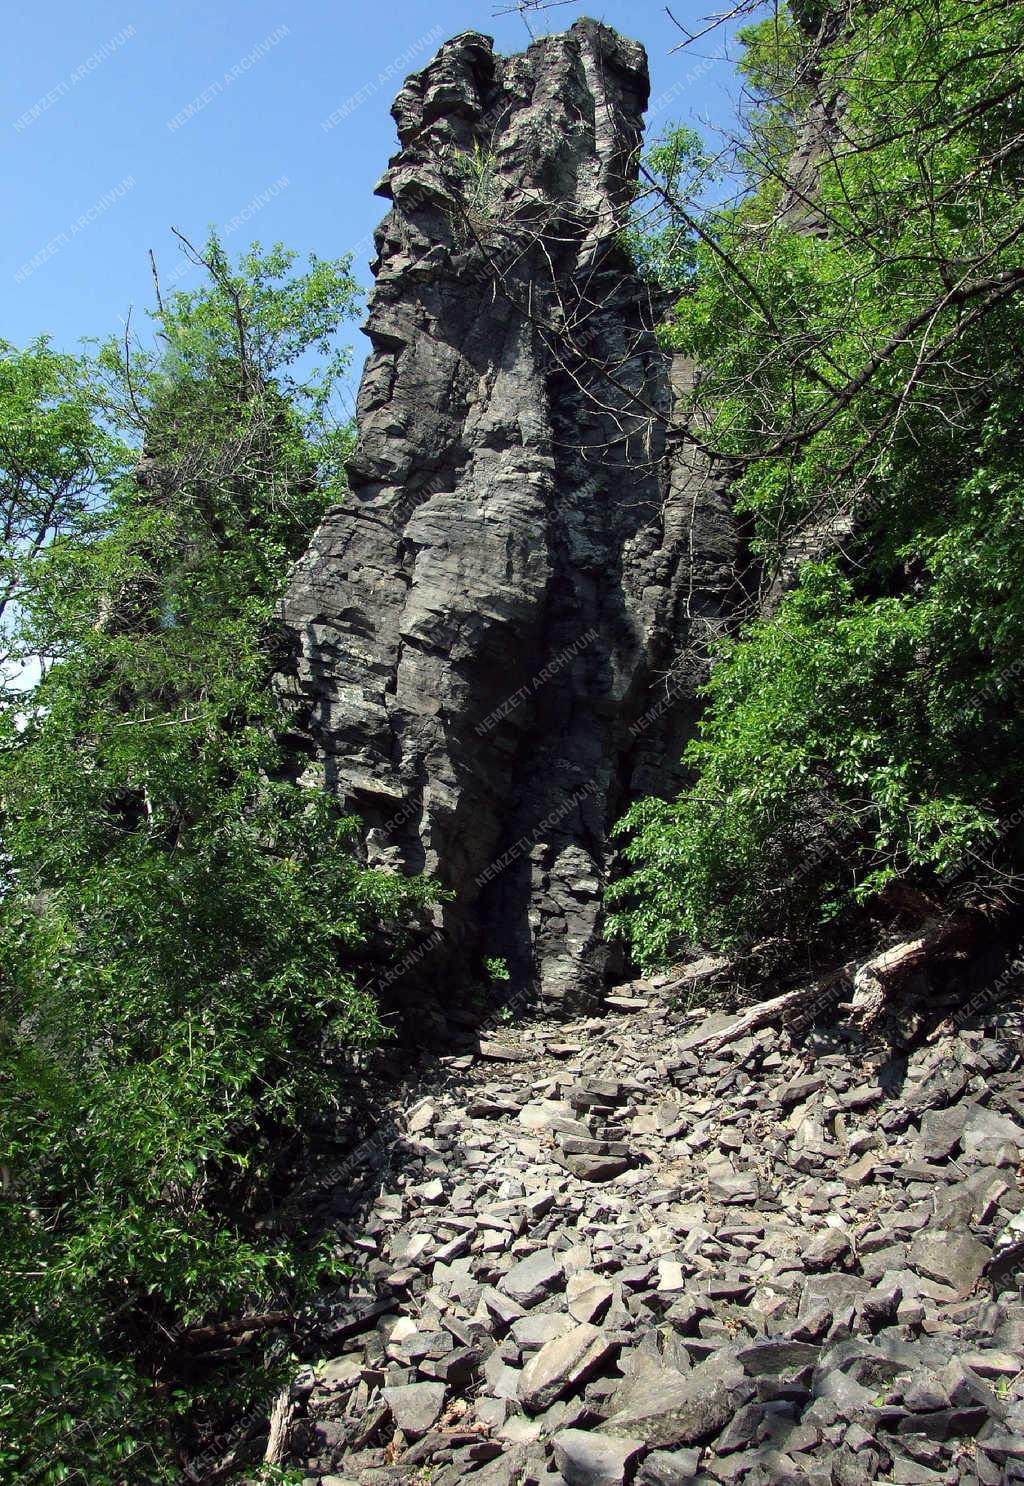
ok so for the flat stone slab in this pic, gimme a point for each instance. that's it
(563, 1365)
(669, 1468)
(764, 1359)
(684, 1409)
(588, 1296)
(533, 1278)
(415, 1406)
(503, 1052)
(954, 1259)
(593, 1168)
(740, 1187)
(586, 1459)
(828, 1249)
(534, 1330)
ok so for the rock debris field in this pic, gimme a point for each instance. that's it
(598, 1256)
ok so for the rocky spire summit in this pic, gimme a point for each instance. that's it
(483, 629)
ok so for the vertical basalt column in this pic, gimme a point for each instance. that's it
(483, 629)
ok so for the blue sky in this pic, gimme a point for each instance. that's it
(268, 118)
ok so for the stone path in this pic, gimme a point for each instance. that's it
(598, 1257)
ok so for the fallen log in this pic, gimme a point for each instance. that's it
(798, 1007)
(200, 1337)
(693, 974)
(879, 979)
(876, 978)
(874, 983)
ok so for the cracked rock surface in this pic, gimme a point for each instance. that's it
(482, 634)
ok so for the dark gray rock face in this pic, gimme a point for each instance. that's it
(485, 631)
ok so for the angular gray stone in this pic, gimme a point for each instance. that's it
(593, 1168)
(827, 1249)
(340, 1372)
(685, 1409)
(993, 1364)
(765, 1358)
(646, 1375)
(941, 1130)
(457, 1368)
(954, 1259)
(503, 1308)
(503, 1052)
(564, 1365)
(506, 1469)
(1005, 1445)
(502, 1379)
(836, 1290)
(923, 1392)
(881, 1261)
(742, 1187)
(848, 1395)
(669, 1468)
(965, 1388)
(906, 1472)
(534, 1331)
(984, 1124)
(595, 1092)
(588, 1296)
(415, 1406)
(534, 1277)
(586, 1459)
(881, 1306)
(963, 1204)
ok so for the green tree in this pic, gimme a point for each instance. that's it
(856, 312)
(55, 464)
(181, 922)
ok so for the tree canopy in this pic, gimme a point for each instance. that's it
(180, 920)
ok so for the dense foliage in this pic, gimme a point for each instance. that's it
(176, 914)
(856, 310)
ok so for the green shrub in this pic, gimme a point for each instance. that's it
(858, 333)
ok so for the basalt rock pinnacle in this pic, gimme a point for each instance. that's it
(484, 629)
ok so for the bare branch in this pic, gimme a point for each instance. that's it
(224, 281)
(156, 281)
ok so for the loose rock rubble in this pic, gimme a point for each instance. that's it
(615, 1259)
